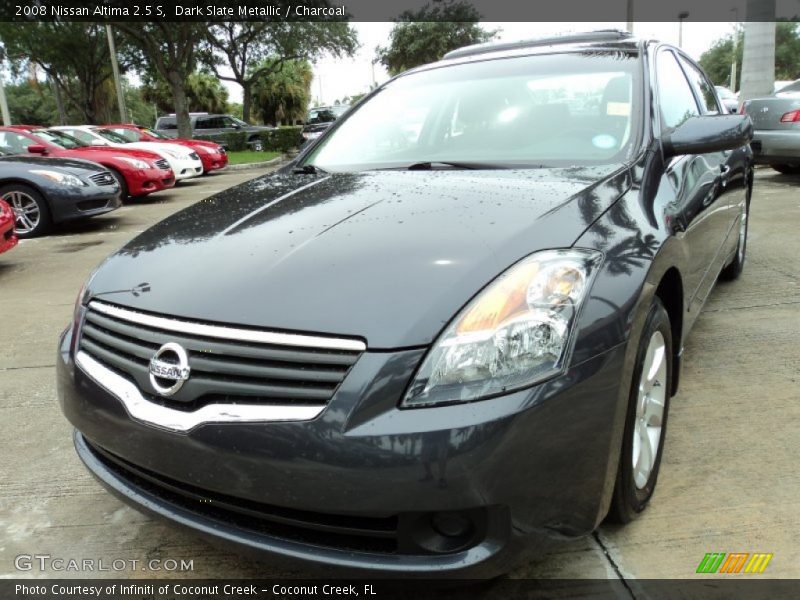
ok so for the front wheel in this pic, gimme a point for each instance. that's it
(646, 420)
(256, 145)
(31, 213)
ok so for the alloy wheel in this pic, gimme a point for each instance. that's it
(26, 211)
(649, 410)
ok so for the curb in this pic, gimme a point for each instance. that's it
(257, 165)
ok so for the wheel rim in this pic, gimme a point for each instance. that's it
(649, 410)
(26, 211)
(742, 234)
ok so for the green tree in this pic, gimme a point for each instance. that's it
(31, 103)
(716, 61)
(72, 55)
(204, 93)
(253, 51)
(170, 51)
(283, 97)
(426, 35)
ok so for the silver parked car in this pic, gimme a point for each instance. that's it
(776, 119)
(729, 100)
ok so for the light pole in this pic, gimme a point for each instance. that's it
(115, 69)
(681, 17)
(735, 47)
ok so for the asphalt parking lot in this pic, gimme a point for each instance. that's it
(729, 480)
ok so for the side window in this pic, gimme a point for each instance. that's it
(708, 98)
(676, 99)
(81, 135)
(128, 134)
(13, 143)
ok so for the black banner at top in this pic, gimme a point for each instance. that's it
(378, 10)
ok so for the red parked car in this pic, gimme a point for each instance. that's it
(7, 238)
(138, 172)
(213, 155)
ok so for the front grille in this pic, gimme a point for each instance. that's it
(228, 365)
(194, 156)
(341, 532)
(88, 205)
(162, 163)
(103, 179)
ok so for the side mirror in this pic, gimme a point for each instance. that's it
(713, 133)
(236, 126)
(37, 149)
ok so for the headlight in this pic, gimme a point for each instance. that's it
(135, 162)
(176, 153)
(61, 178)
(516, 332)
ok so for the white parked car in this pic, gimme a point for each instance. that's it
(185, 162)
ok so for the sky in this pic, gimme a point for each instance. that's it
(336, 78)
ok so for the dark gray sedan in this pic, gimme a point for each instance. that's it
(447, 333)
(776, 120)
(45, 191)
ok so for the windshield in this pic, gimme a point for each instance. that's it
(546, 110)
(59, 138)
(792, 88)
(155, 134)
(112, 136)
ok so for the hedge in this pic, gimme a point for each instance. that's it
(281, 139)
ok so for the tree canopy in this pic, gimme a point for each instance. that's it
(73, 55)
(716, 61)
(252, 51)
(426, 35)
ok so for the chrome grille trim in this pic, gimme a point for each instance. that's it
(162, 163)
(141, 409)
(103, 179)
(229, 333)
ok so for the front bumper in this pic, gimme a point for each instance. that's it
(146, 181)
(776, 146)
(185, 168)
(357, 486)
(212, 162)
(78, 203)
(7, 238)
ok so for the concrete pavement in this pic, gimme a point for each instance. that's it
(729, 480)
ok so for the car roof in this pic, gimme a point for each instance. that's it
(601, 40)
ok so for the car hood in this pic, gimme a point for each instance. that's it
(94, 152)
(387, 256)
(71, 165)
(160, 148)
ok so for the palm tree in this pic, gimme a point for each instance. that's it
(283, 96)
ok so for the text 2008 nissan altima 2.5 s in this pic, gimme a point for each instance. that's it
(447, 333)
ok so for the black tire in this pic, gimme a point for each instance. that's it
(787, 169)
(630, 500)
(37, 220)
(123, 185)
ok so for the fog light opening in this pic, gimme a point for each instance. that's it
(445, 532)
(451, 525)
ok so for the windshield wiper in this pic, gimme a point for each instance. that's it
(309, 170)
(428, 165)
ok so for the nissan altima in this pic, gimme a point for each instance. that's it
(447, 334)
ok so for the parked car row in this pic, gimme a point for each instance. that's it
(56, 174)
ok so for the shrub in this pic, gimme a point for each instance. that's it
(281, 139)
